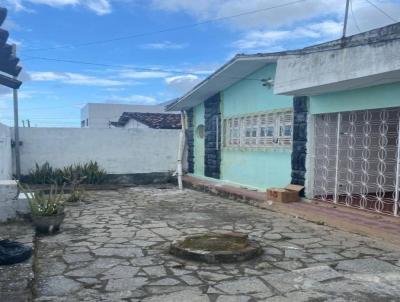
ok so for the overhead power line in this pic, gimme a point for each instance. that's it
(110, 65)
(354, 16)
(171, 29)
(305, 51)
(382, 11)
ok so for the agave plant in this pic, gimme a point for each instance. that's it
(41, 174)
(90, 172)
(42, 204)
(93, 173)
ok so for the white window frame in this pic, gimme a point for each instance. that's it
(263, 130)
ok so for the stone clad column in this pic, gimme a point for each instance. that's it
(190, 140)
(299, 154)
(212, 154)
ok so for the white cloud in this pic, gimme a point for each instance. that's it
(56, 2)
(164, 45)
(182, 83)
(100, 7)
(73, 79)
(285, 15)
(268, 19)
(134, 74)
(133, 99)
(269, 40)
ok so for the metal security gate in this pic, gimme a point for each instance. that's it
(356, 159)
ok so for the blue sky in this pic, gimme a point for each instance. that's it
(157, 67)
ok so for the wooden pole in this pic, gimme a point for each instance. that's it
(16, 127)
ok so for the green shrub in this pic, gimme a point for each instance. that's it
(88, 173)
(43, 174)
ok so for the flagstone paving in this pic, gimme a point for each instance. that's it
(114, 248)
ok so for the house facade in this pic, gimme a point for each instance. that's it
(240, 131)
(251, 140)
(326, 117)
(353, 105)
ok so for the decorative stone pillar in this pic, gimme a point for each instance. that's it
(212, 142)
(299, 154)
(190, 140)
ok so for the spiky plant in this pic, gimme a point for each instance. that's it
(75, 180)
(42, 204)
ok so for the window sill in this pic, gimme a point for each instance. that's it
(283, 149)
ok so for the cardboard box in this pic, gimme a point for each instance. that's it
(289, 194)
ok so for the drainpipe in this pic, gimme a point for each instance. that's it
(181, 147)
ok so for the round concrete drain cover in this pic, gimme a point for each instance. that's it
(216, 248)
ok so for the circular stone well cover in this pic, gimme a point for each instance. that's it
(216, 248)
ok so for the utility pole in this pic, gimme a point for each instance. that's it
(16, 126)
(346, 16)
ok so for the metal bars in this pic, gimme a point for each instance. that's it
(357, 159)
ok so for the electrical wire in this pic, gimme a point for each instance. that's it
(288, 53)
(108, 65)
(382, 11)
(354, 17)
(171, 29)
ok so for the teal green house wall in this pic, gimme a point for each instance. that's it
(247, 167)
(252, 168)
(382, 96)
(198, 119)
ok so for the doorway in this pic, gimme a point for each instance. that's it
(356, 159)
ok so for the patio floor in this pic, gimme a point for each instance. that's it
(114, 248)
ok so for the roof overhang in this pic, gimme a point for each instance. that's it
(328, 71)
(235, 70)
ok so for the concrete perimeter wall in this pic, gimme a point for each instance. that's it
(5, 153)
(118, 151)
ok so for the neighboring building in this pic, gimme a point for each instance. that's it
(352, 90)
(326, 117)
(99, 115)
(130, 120)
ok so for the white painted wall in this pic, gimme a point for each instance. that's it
(5, 153)
(100, 114)
(119, 151)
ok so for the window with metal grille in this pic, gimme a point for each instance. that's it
(261, 130)
(234, 132)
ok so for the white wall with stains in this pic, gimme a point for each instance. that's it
(5, 153)
(118, 151)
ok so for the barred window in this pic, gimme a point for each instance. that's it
(262, 130)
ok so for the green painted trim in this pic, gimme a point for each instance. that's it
(260, 113)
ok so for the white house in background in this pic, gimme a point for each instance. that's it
(100, 115)
(129, 120)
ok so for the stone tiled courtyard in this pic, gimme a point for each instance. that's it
(114, 248)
